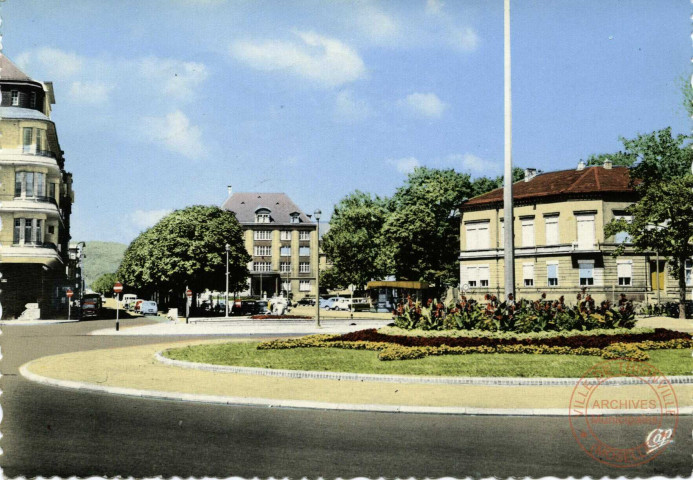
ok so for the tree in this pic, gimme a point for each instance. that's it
(618, 159)
(663, 217)
(104, 284)
(420, 237)
(187, 249)
(352, 242)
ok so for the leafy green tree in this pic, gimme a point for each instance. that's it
(187, 248)
(420, 237)
(663, 217)
(104, 284)
(625, 159)
(352, 242)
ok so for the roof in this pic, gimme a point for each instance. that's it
(408, 284)
(22, 113)
(591, 181)
(245, 204)
(10, 71)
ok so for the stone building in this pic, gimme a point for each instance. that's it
(560, 246)
(35, 196)
(282, 240)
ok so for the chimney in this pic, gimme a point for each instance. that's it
(581, 165)
(230, 190)
(530, 173)
(608, 164)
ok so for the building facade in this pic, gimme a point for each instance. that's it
(559, 240)
(282, 241)
(35, 197)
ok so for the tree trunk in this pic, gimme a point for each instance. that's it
(682, 289)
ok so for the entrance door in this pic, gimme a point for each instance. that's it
(655, 283)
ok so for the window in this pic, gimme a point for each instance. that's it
(286, 286)
(501, 240)
(51, 229)
(27, 139)
(304, 286)
(689, 273)
(625, 272)
(262, 250)
(585, 232)
(304, 235)
(15, 98)
(51, 190)
(263, 217)
(32, 101)
(295, 218)
(528, 232)
(528, 274)
(476, 276)
(285, 267)
(27, 231)
(29, 183)
(40, 136)
(304, 251)
(285, 235)
(262, 266)
(552, 237)
(263, 234)
(586, 272)
(552, 274)
(623, 237)
(477, 235)
(304, 267)
(285, 251)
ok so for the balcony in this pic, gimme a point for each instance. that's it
(50, 245)
(537, 250)
(38, 199)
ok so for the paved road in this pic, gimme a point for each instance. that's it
(50, 431)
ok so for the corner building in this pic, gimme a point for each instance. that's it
(559, 240)
(282, 240)
(35, 197)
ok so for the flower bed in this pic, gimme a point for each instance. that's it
(523, 316)
(401, 347)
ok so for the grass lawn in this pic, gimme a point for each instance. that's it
(670, 362)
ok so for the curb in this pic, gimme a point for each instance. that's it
(305, 404)
(33, 323)
(368, 377)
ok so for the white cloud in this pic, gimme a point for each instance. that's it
(175, 133)
(425, 104)
(323, 60)
(56, 63)
(465, 39)
(178, 79)
(377, 25)
(144, 219)
(348, 108)
(404, 165)
(434, 7)
(470, 162)
(90, 92)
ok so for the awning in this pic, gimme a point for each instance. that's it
(408, 284)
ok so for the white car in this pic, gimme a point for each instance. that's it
(148, 307)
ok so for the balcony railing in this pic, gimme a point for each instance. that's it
(34, 244)
(39, 199)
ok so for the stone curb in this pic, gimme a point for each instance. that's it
(34, 322)
(366, 377)
(304, 404)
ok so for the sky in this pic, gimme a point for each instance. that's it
(161, 104)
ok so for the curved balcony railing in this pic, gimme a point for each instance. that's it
(50, 245)
(35, 198)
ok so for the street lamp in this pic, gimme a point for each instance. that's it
(317, 214)
(227, 247)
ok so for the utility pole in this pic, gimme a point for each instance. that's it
(508, 244)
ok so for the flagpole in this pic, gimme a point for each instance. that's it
(508, 245)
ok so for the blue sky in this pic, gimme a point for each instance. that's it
(161, 104)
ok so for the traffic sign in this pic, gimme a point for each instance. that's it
(117, 287)
(69, 293)
(188, 292)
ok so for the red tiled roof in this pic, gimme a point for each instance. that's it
(590, 181)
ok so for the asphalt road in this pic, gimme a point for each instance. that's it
(50, 431)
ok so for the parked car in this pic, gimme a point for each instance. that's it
(355, 304)
(342, 303)
(249, 307)
(148, 307)
(136, 306)
(329, 303)
(128, 301)
(306, 301)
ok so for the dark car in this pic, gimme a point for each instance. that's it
(249, 307)
(307, 301)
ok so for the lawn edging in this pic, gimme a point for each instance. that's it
(368, 377)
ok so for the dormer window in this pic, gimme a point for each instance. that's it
(32, 101)
(262, 215)
(15, 98)
(295, 217)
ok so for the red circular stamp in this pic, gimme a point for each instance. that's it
(623, 413)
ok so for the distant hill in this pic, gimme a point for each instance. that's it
(100, 258)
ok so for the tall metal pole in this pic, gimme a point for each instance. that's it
(317, 214)
(227, 279)
(508, 177)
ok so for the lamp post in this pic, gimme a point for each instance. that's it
(317, 214)
(227, 247)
